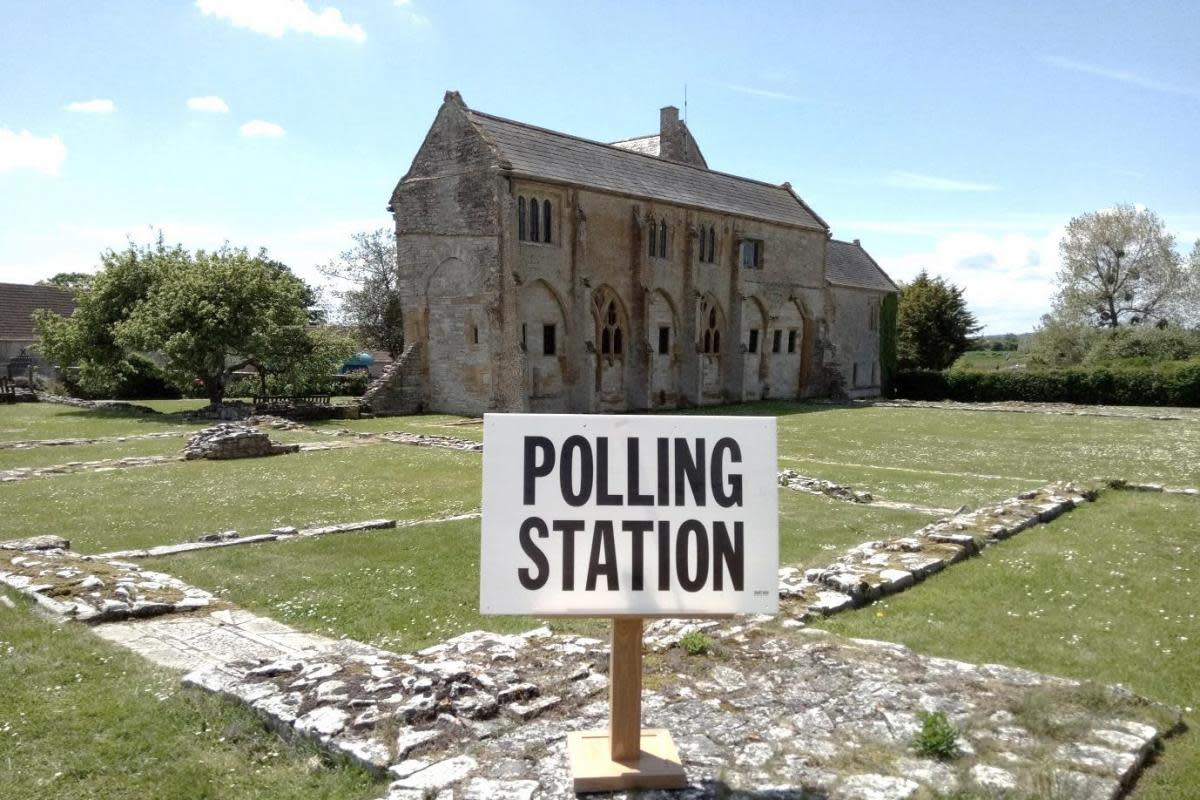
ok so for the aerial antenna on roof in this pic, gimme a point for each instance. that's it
(685, 127)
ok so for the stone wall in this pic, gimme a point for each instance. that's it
(857, 339)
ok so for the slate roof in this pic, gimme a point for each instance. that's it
(646, 145)
(847, 264)
(544, 154)
(18, 301)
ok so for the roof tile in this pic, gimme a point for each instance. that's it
(540, 153)
(847, 264)
(18, 301)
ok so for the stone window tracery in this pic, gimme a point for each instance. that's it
(612, 333)
(711, 340)
(535, 220)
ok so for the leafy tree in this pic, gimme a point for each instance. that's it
(1119, 266)
(209, 314)
(372, 307)
(887, 342)
(933, 325)
(68, 280)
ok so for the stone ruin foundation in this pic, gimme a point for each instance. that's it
(231, 440)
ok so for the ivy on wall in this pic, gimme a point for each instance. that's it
(887, 342)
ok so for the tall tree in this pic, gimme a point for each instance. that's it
(372, 304)
(1119, 267)
(72, 281)
(209, 314)
(933, 325)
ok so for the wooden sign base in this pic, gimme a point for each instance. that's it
(625, 756)
(656, 766)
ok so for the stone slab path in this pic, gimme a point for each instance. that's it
(197, 641)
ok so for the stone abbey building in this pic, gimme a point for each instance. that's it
(545, 272)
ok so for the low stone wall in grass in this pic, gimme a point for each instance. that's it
(69, 586)
(27, 444)
(98, 405)
(231, 440)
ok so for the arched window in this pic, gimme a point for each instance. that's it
(711, 341)
(712, 245)
(545, 220)
(521, 218)
(662, 239)
(533, 220)
(653, 238)
(610, 324)
(703, 241)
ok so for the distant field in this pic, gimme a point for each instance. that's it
(987, 360)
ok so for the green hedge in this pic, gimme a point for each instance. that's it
(1174, 384)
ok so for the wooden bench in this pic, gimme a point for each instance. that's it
(8, 391)
(276, 400)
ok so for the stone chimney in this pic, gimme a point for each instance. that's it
(675, 142)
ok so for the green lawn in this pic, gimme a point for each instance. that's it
(1109, 592)
(442, 424)
(64, 454)
(412, 587)
(23, 421)
(1020, 447)
(173, 503)
(84, 719)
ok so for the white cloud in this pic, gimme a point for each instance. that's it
(257, 128)
(765, 93)
(97, 106)
(277, 17)
(930, 183)
(25, 151)
(1007, 279)
(1120, 75)
(415, 18)
(209, 103)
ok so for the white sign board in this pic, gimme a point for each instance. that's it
(592, 515)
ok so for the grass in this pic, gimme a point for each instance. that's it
(401, 589)
(175, 502)
(1108, 593)
(442, 424)
(412, 587)
(813, 530)
(63, 454)
(1021, 447)
(23, 421)
(84, 719)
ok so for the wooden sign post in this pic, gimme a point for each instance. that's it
(626, 755)
(628, 517)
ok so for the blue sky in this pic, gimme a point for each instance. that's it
(959, 136)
